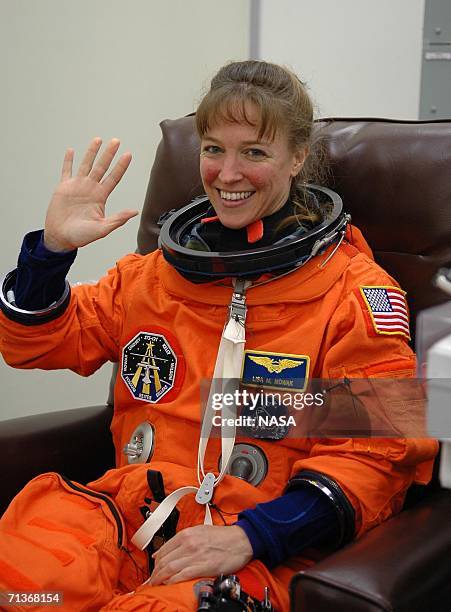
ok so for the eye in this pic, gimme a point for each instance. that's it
(211, 149)
(255, 153)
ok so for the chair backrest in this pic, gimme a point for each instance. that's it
(394, 178)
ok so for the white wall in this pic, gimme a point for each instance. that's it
(73, 70)
(359, 57)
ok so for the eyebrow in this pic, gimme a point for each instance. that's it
(245, 142)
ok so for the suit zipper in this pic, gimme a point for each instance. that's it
(109, 502)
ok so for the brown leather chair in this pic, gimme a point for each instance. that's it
(395, 181)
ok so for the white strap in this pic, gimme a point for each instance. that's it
(148, 529)
(225, 380)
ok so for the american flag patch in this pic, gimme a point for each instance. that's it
(388, 310)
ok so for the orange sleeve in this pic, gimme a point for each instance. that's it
(85, 336)
(375, 473)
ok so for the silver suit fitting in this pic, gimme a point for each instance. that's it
(29, 317)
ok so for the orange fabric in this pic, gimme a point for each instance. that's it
(355, 237)
(210, 219)
(15, 579)
(42, 557)
(312, 312)
(255, 231)
(61, 555)
(84, 539)
(180, 597)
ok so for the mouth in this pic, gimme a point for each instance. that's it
(234, 198)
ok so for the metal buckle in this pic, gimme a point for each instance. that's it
(238, 308)
(205, 492)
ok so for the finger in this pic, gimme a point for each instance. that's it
(170, 558)
(116, 174)
(166, 570)
(66, 171)
(188, 573)
(89, 157)
(103, 163)
(114, 221)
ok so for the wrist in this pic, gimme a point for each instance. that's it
(242, 542)
(33, 252)
(51, 244)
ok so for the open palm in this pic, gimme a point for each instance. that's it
(76, 213)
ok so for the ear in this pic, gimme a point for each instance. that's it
(299, 157)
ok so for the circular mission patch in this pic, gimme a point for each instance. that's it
(148, 366)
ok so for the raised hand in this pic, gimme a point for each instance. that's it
(76, 213)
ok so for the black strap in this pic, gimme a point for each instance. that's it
(156, 485)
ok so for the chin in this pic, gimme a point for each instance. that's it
(233, 223)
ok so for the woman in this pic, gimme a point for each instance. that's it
(163, 320)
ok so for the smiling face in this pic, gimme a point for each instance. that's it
(246, 177)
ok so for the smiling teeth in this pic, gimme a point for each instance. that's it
(235, 195)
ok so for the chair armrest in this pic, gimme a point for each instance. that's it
(401, 566)
(76, 443)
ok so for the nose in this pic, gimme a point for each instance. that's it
(230, 171)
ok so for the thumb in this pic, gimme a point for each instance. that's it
(114, 221)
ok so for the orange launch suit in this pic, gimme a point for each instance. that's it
(315, 312)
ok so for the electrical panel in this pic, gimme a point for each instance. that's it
(435, 93)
